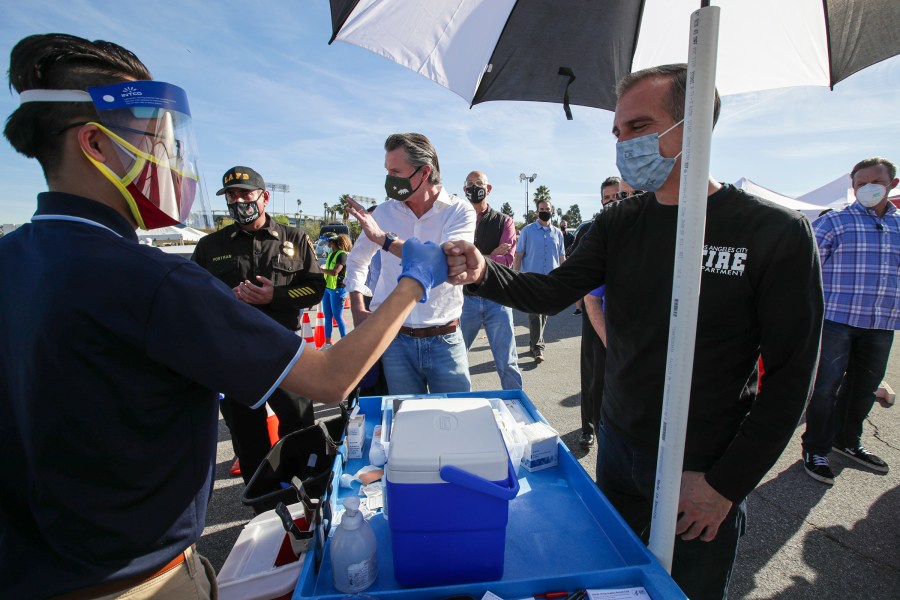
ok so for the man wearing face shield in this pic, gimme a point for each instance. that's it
(859, 247)
(112, 352)
(761, 293)
(429, 354)
(273, 268)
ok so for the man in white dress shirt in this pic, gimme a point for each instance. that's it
(428, 355)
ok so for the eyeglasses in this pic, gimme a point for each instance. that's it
(175, 152)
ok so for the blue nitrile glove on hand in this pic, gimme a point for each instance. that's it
(424, 262)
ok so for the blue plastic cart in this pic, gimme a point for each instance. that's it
(563, 535)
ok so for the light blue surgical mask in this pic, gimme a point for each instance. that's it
(640, 163)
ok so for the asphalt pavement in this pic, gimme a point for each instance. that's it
(804, 539)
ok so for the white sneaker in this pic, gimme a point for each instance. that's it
(326, 346)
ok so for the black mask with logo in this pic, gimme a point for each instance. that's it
(398, 188)
(244, 213)
(475, 193)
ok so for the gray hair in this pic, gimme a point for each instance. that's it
(419, 152)
(677, 76)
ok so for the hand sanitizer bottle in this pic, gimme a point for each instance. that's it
(353, 551)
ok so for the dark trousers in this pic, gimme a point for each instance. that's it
(249, 429)
(536, 324)
(626, 475)
(852, 360)
(593, 371)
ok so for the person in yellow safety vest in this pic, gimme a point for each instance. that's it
(335, 292)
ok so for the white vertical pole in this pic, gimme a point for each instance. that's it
(704, 35)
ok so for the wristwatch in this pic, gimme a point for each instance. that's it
(388, 240)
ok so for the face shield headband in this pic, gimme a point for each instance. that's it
(150, 125)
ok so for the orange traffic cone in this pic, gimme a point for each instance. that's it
(272, 425)
(347, 302)
(306, 329)
(319, 334)
(235, 470)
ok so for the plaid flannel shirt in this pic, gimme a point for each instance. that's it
(860, 254)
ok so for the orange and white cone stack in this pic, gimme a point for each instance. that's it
(319, 334)
(347, 302)
(306, 329)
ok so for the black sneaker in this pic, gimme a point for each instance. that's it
(577, 311)
(816, 466)
(864, 457)
(587, 439)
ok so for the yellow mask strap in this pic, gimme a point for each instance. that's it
(117, 182)
(133, 172)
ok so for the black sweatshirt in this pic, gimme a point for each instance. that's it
(761, 293)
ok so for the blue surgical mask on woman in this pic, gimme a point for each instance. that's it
(640, 163)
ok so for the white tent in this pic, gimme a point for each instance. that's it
(810, 210)
(838, 193)
(180, 234)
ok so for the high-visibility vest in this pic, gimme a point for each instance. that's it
(331, 280)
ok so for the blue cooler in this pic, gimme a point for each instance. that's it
(449, 483)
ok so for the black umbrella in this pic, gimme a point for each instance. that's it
(574, 51)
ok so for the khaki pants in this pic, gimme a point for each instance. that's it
(195, 578)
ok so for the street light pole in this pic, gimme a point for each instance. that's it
(527, 180)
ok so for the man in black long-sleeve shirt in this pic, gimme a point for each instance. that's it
(761, 292)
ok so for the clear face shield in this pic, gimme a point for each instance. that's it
(150, 124)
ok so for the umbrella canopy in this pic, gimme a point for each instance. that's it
(575, 51)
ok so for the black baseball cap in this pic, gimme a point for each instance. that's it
(241, 177)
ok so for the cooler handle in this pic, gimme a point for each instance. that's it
(455, 475)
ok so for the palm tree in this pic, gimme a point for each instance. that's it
(541, 194)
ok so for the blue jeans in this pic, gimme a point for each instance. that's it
(626, 475)
(852, 360)
(498, 324)
(427, 365)
(333, 307)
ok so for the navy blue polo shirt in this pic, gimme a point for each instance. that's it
(111, 354)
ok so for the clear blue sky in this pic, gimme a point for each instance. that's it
(267, 91)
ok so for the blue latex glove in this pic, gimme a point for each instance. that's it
(424, 262)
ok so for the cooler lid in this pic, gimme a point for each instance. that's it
(432, 433)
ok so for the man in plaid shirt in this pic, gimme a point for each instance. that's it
(859, 248)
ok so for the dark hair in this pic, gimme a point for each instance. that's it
(419, 152)
(874, 162)
(58, 61)
(611, 181)
(677, 75)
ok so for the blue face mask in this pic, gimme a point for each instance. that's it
(640, 163)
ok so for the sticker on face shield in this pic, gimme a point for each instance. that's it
(143, 98)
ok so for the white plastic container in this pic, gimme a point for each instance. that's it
(354, 560)
(249, 572)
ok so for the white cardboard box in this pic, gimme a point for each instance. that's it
(356, 435)
(541, 444)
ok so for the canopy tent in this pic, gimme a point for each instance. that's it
(810, 210)
(837, 194)
(177, 233)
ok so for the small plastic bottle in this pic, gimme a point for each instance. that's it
(354, 558)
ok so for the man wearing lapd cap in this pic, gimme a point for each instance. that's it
(274, 268)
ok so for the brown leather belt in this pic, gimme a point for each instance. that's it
(424, 332)
(111, 587)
